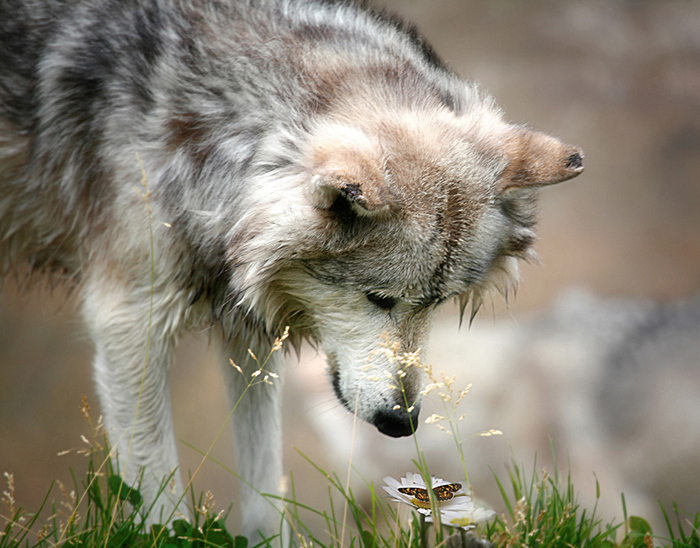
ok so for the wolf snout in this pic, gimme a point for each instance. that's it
(397, 422)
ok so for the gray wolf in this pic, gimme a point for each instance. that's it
(309, 163)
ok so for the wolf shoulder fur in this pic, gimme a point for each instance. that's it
(308, 163)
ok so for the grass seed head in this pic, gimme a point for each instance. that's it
(8, 497)
(84, 408)
(236, 367)
(491, 433)
(434, 418)
(207, 506)
(279, 341)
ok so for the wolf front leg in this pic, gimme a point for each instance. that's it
(134, 329)
(258, 436)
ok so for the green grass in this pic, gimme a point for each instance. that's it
(101, 510)
(541, 511)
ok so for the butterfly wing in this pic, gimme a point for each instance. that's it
(446, 491)
(415, 492)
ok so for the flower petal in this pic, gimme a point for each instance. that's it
(465, 519)
(391, 482)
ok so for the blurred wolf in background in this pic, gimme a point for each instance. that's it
(309, 164)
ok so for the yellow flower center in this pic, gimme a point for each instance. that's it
(461, 522)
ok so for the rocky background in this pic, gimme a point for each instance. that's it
(599, 355)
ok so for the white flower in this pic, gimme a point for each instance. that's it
(467, 517)
(411, 490)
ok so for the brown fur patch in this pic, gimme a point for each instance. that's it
(186, 132)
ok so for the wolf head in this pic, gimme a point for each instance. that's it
(381, 221)
(396, 219)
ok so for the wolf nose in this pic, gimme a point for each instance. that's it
(397, 423)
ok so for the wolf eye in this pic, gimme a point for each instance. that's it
(385, 303)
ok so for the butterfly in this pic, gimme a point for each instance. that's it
(422, 499)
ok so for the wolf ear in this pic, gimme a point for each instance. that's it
(536, 159)
(347, 165)
(364, 196)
